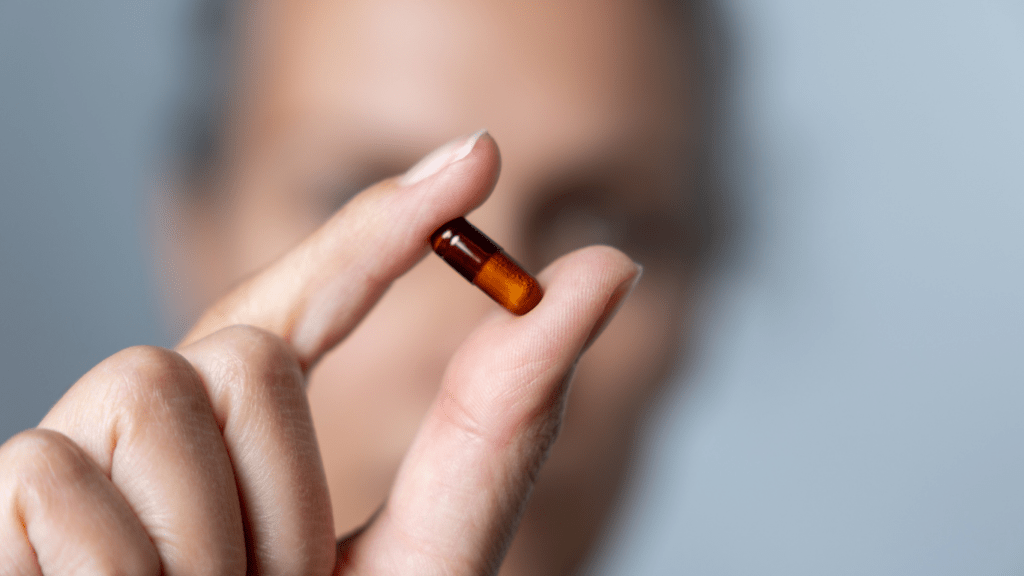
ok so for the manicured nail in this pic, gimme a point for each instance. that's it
(441, 158)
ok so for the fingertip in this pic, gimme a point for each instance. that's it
(606, 260)
(489, 152)
(586, 288)
(470, 469)
(456, 178)
(314, 295)
(582, 292)
(589, 272)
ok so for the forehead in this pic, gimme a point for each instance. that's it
(553, 73)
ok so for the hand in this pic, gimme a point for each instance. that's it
(203, 460)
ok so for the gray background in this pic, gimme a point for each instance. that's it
(84, 94)
(858, 407)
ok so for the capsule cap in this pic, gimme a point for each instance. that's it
(462, 246)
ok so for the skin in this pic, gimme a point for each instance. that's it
(344, 371)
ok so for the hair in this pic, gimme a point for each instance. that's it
(201, 117)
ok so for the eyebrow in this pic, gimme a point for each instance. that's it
(605, 177)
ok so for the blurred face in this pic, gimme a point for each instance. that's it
(591, 104)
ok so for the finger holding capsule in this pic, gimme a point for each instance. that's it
(466, 479)
(470, 252)
(316, 294)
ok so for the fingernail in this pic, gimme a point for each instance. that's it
(441, 158)
(626, 289)
(636, 279)
(619, 297)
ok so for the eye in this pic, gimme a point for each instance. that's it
(661, 238)
(567, 221)
(651, 232)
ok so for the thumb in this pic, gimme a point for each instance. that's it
(461, 489)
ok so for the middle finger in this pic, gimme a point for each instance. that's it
(256, 390)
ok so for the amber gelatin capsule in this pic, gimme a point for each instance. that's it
(485, 264)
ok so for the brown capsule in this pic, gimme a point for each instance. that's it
(485, 264)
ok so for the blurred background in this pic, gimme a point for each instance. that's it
(858, 405)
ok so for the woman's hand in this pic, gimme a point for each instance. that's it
(203, 460)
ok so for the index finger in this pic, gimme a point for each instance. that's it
(316, 294)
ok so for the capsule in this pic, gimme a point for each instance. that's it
(485, 264)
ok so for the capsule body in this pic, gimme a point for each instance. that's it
(483, 263)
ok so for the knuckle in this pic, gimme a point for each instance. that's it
(261, 348)
(149, 377)
(252, 356)
(150, 363)
(46, 471)
(40, 460)
(153, 365)
(464, 418)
